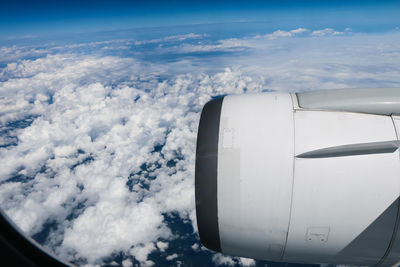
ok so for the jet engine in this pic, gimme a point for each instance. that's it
(310, 177)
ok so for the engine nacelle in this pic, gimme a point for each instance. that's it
(309, 178)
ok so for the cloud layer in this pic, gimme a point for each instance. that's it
(98, 149)
(106, 159)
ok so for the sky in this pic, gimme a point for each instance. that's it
(24, 18)
(100, 103)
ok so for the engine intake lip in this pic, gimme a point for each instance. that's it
(206, 175)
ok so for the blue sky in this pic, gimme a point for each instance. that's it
(24, 18)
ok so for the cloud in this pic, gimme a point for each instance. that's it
(162, 246)
(247, 262)
(141, 252)
(329, 32)
(302, 32)
(172, 38)
(90, 161)
(299, 30)
(127, 263)
(195, 247)
(172, 257)
(14, 52)
(220, 259)
(227, 45)
(282, 33)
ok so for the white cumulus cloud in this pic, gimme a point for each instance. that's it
(220, 259)
(88, 162)
(329, 32)
(281, 33)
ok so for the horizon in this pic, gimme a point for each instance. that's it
(21, 18)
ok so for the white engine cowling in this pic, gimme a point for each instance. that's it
(310, 177)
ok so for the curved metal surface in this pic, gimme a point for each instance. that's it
(381, 101)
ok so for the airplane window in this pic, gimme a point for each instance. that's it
(100, 104)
